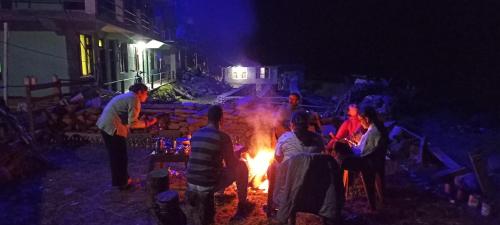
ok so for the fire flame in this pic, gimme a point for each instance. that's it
(257, 167)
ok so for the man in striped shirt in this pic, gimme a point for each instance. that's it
(212, 164)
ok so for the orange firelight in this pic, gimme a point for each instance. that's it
(257, 167)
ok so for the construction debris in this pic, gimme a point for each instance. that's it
(19, 157)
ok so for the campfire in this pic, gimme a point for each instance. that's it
(257, 166)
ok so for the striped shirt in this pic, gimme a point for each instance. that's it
(209, 148)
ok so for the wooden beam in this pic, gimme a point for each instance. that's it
(448, 173)
(443, 158)
(480, 167)
(421, 148)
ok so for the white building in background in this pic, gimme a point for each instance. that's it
(283, 77)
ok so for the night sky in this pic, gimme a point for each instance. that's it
(433, 43)
(453, 41)
(379, 37)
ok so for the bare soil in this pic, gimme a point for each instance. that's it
(79, 192)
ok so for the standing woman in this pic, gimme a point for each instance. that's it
(120, 115)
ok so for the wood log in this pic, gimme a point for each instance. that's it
(158, 181)
(480, 166)
(443, 158)
(183, 93)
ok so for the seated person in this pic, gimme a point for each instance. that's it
(299, 140)
(314, 122)
(373, 139)
(350, 128)
(210, 149)
(368, 156)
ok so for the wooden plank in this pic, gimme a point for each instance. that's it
(480, 167)
(412, 133)
(421, 149)
(448, 173)
(43, 86)
(38, 99)
(445, 159)
(76, 83)
(234, 91)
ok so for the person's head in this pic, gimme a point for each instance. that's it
(299, 121)
(293, 99)
(367, 115)
(352, 110)
(141, 90)
(215, 115)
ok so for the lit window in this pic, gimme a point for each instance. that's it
(239, 73)
(262, 73)
(86, 55)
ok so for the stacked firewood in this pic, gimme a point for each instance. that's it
(72, 117)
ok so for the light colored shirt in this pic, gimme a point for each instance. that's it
(125, 104)
(289, 145)
(369, 141)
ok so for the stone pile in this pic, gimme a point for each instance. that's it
(200, 85)
(186, 118)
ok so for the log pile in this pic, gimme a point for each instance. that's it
(74, 117)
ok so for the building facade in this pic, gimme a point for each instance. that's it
(103, 40)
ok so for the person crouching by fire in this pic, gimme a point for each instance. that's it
(210, 150)
(114, 130)
(298, 140)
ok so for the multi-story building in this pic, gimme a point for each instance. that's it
(106, 40)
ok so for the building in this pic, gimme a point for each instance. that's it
(283, 77)
(103, 40)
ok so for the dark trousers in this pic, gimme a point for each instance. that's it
(239, 174)
(118, 160)
(272, 171)
(372, 169)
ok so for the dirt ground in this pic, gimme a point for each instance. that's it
(79, 192)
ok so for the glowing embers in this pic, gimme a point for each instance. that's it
(257, 166)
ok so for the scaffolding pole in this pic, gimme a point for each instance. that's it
(4, 69)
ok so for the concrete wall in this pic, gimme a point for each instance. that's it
(41, 54)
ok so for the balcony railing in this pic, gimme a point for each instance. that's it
(109, 10)
(48, 4)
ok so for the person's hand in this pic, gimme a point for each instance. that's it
(151, 121)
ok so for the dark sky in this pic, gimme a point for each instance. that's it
(398, 38)
(444, 46)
